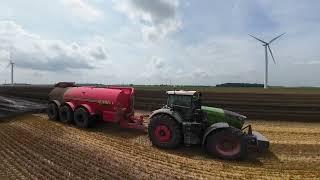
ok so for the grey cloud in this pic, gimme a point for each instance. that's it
(200, 74)
(99, 53)
(164, 72)
(157, 63)
(30, 51)
(157, 68)
(315, 62)
(83, 9)
(41, 62)
(158, 9)
(158, 18)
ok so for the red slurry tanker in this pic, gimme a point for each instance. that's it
(183, 120)
(85, 104)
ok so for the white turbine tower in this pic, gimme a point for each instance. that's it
(11, 63)
(266, 47)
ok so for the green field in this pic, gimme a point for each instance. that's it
(272, 90)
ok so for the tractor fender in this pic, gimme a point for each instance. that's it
(214, 127)
(173, 114)
(88, 108)
(71, 105)
(56, 102)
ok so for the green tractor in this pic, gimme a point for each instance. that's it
(183, 120)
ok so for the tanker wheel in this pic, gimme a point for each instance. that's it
(164, 132)
(82, 118)
(66, 114)
(52, 111)
(229, 143)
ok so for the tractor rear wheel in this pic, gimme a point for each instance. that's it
(164, 132)
(52, 111)
(66, 114)
(229, 143)
(82, 118)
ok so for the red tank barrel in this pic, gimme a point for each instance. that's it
(111, 104)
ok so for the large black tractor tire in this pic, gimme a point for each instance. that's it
(164, 132)
(52, 111)
(66, 114)
(229, 143)
(82, 118)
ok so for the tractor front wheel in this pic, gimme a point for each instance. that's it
(82, 118)
(228, 143)
(164, 132)
(52, 111)
(66, 114)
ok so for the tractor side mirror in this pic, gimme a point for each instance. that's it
(197, 103)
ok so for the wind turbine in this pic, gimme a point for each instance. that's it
(266, 48)
(11, 63)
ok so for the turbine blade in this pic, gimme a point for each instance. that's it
(271, 54)
(258, 39)
(276, 38)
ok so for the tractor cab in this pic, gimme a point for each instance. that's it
(187, 103)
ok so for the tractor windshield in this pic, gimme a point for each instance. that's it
(180, 100)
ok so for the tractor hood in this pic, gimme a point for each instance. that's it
(216, 115)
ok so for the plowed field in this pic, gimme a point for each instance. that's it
(290, 104)
(32, 147)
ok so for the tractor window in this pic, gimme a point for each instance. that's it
(180, 100)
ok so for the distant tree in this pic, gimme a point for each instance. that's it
(239, 85)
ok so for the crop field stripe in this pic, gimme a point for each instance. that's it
(58, 151)
(24, 164)
(143, 153)
(116, 144)
(75, 153)
(31, 153)
(9, 165)
(53, 135)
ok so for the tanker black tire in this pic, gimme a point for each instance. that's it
(164, 132)
(229, 143)
(82, 118)
(66, 114)
(52, 111)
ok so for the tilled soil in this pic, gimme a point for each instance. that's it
(33, 147)
(298, 104)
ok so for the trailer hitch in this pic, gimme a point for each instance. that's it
(256, 140)
(249, 129)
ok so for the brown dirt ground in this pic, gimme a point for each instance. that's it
(32, 147)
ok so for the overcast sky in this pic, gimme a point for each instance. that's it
(159, 41)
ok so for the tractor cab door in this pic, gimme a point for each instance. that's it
(182, 104)
(197, 113)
